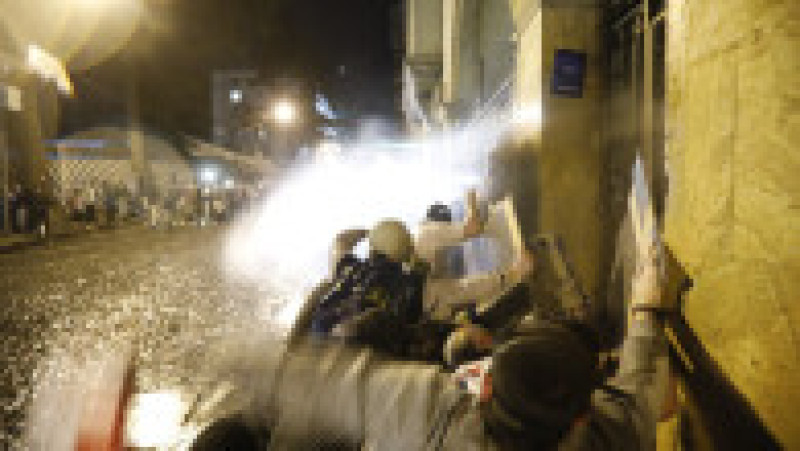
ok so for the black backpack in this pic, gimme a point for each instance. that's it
(370, 302)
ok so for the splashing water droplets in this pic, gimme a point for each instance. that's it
(284, 242)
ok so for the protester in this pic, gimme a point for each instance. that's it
(123, 202)
(219, 208)
(448, 290)
(374, 302)
(543, 391)
(345, 304)
(18, 204)
(438, 232)
(40, 213)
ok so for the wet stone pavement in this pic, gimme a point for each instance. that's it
(163, 295)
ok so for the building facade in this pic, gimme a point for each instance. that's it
(252, 116)
(30, 84)
(234, 96)
(703, 94)
(105, 157)
(466, 59)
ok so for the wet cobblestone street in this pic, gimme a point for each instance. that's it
(162, 295)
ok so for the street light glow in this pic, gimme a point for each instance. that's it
(49, 68)
(209, 175)
(284, 112)
(80, 33)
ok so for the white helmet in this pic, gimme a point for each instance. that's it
(391, 238)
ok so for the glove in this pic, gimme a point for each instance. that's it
(467, 343)
(474, 225)
(522, 267)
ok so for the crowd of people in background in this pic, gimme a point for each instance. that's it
(26, 209)
(108, 204)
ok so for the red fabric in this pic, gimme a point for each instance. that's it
(486, 389)
(97, 434)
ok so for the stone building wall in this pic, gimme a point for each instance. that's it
(733, 211)
(563, 133)
(570, 154)
(497, 46)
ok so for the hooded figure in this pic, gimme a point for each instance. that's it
(542, 392)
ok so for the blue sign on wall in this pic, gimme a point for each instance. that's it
(569, 68)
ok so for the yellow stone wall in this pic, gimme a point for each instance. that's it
(567, 140)
(570, 155)
(733, 213)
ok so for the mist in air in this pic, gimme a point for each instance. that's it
(284, 242)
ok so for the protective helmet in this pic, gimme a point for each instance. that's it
(391, 238)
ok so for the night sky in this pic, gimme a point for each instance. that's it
(308, 39)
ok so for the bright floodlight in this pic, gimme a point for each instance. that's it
(284, 112)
